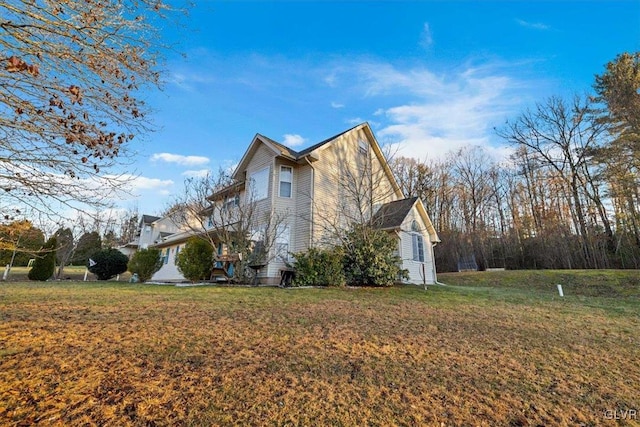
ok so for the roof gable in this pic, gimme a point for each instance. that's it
(281, 150)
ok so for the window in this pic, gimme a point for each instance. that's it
(166, 255)
(286, 178)
(147, 229)
(259, 185)
(282, 242)
(231, 202)
(417, 242)
(363, 147)
(175, 257)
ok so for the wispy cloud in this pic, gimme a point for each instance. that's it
(336, 105)
(292, 140)
(426, 114)
(426, 39)
(143, 183)
(196, 173)
(533, 25)
(180, 159)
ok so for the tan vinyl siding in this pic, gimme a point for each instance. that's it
(285, 205)
(262, 158)
(301, 230)
(340, 169)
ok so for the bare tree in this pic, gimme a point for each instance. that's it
(561, 135)
(69, 76)
(222, 211)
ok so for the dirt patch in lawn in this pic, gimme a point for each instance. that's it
(104, 355)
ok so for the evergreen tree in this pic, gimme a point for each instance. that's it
(88, 244)
(45, 262)
(369, 257)
(108, 263)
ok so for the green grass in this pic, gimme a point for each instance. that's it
(70, 273)
(499, 348)
(599, 283)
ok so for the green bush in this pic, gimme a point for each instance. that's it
(319, 267)
(195, 260)
(145, 263)
(108, 263)
(369, 257)
(45, 263)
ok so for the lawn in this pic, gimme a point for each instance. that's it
(490, 349)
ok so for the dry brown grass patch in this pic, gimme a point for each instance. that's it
(143, 355)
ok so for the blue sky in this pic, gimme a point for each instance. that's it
(429, 77)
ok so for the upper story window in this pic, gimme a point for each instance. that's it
(286, 179)
(259, 185)
(147, 229)
(363, 147)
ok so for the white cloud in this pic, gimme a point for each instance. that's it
(336, 105)
(430, 115)
(426, 39)
(142, 183)
(292, 140)
(533, 25)
(354, 121)
(196, 173)
(180, 159)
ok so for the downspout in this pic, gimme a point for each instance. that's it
(433, 265)
(311, 196)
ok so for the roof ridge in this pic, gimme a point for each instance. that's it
(325, 141)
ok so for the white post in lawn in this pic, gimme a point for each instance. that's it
(560, 290)
(86, 271)
(6, 272)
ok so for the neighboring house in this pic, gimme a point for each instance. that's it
(143, 237)
(151, 230)
(316, 193)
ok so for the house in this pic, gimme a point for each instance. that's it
(307, 198)
(151, 230)
(143, 236)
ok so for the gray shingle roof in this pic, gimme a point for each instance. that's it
(392, 214)
(296, 155)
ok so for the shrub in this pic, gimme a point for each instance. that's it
(369, 257)
(45, 263)
(318, 267)
(145, 263)
(195, 260)
(108, 263)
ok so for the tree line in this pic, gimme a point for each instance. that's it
(567, 197)
(22, 241)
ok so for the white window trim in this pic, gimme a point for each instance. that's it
(280, 181)
(417, 246)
